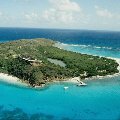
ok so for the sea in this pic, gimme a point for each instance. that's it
(99, 100)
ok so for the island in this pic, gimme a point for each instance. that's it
(39, 61)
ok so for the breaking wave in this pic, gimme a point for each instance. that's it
(86, 46)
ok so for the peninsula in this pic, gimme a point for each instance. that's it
(38, 61)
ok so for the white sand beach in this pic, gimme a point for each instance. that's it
(73, 80)
(16, 81)
(11, 79)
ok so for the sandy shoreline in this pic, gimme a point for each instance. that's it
(16, 81)
(73, 80)
(11, 79)
(108, 76)
(77, 79)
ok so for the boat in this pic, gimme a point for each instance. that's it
(66, 88)
(81, 83)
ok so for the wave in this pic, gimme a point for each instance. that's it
(88, 46)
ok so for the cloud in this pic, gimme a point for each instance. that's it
(5, 19)
(22, 0)
(0, 13)
(103, 12)
(63, 11)
(65, 5)
(60, 13)
(31, 17)
(3, 16)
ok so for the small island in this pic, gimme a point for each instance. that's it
(38, 61)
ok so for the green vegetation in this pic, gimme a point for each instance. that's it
(29, 61)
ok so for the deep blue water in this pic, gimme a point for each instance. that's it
(83, 37)
(99, 100)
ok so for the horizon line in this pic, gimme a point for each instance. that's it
(99, 30)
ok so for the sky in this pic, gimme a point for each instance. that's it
(63, 14)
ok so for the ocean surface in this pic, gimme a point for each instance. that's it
(100, 100)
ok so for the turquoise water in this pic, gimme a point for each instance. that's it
(99, 100)
(92, 50)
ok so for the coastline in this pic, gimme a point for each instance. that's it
(107, 76)
(77, 79)
(117, 60)
(11, 80)
(59, 45)
(16, 81)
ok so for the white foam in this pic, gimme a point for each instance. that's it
(84, 46)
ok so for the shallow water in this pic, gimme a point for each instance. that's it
(99, 100)
(92, 50)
